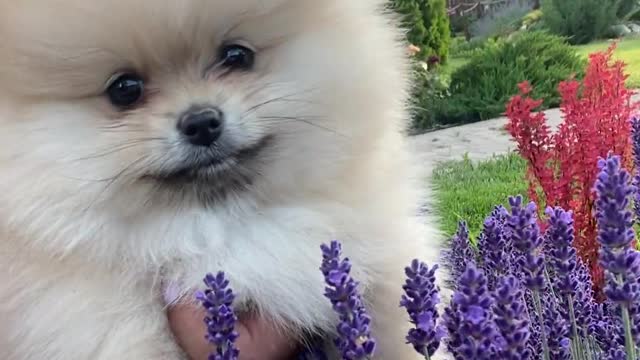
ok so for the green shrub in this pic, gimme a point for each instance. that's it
(480, 89)
(458, 44)
(532, 18)
(461, 48)
(428, 25)
(431, 87)
(627, 9)
(634, 15)
(581, 21)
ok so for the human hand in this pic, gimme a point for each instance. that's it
(257, 339)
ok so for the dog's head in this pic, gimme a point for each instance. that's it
(122, 107)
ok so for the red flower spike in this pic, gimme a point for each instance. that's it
(562, 167)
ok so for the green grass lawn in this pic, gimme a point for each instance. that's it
(466, 190)
(628, 51)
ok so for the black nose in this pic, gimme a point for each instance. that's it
(201, 126)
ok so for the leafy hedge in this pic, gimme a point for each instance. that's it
(480, 89)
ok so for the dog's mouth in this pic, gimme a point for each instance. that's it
(214, 167)
(210, 176)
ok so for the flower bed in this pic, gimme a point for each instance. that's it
(520, 294)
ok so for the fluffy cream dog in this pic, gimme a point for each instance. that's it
(146, 141)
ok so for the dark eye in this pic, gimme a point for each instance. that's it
(237, 57)
(126, 90)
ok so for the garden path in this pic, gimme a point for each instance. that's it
(479, 140)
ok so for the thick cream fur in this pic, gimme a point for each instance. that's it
(85, 246)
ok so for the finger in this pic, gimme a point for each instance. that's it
(187, 324)
(262, 341)
(257, 340)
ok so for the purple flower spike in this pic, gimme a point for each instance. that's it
(616, 237)
(557, 330)
(584, 301)
(563, 258)
(420, 301)
(354, 334)
(617, 354)
(572, 279)
(526, 239)
(217, 299)
(511, 319)
(614, 191)
(607, 328)
(459, 253)
(452, 320)
(635, 139)
(495, 249)
(469, 319)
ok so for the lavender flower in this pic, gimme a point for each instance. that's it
(217, 299)
(511, 319)
(534, 345)
(526, 239)
(459, 254)
(500, 214)
(420, 301)
(607, 329)
(354, 335)
(584, 300)
(563, 258)
(567, 271)
(635, 141)
(495, 249)
(615, 235)
(557, 330)
(617, 354)
(452, 320)
(469, 318)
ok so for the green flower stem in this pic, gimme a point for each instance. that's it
(579, 353)
(628, 338)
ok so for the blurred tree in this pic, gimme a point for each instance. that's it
(628, 8)
(427, 24)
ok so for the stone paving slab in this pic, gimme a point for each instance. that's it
(479, 141)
